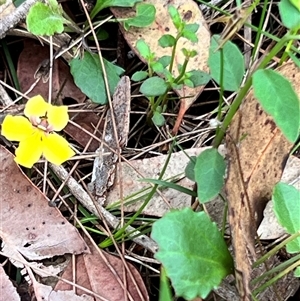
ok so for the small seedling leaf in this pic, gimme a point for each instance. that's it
(289, 13)
(145, 15)
(188, 34)
(165, 60)
(198, 77)
(139, 75)
(278, 98)
(43, 20)
(175, 16)
(153, 86)
(286, 201)
(158, 119)
(209, 174)
(166, 40)
(192, 251)
(88, 76)
(233, 68)
(143, 48)
(157, 67)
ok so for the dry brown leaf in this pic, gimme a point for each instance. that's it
(257, 153)
(88, 121)
(163, 25)
(28, 224)
(46, 293)
(93, 273)
(31, 59)
(7, 290)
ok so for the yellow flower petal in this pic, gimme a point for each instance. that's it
(36, 106)
(16, 128)
(56, 149)
(30, 150)
(57, 117)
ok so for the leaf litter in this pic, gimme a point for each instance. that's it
(148, 165)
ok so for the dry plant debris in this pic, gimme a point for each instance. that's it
(257, 156)
(256, 152)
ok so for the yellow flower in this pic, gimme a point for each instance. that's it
(36, 134)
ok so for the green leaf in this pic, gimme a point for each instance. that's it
(157, 67)
(88, 76)
(143, 48)
(175, 16)
(101, 4)
(297, 272)
(193, 27)
(190, 36)
(199, 78)
(192, 251)
(165, 60)
(188, 82)
(286, 201)
(43, 20)
(209, 174)
(145, 15)
(166, 40)
(154, 86)
(158, 119)
(289, 14)
(190, 169)
(278, 98)
(296, 3)
(139, 75)
(233, 68)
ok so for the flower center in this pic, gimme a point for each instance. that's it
(41, 123)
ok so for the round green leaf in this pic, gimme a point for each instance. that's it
(43, 21)
(209, 174)
(153, 86)
(158, 119)
(233, 68)
(286, 201)
(289, 14)
(139, 75)
(192, 251)
(278, 98)
(166, 40)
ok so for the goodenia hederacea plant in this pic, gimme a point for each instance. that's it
(36, 133)
(46, 19)
(192, 251)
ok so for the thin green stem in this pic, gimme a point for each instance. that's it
(275, 250)
(173, 53)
